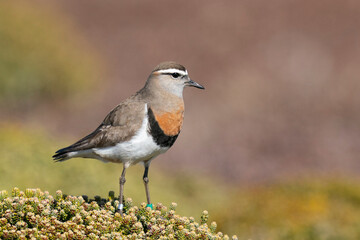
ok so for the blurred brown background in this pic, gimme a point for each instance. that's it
(270, 148)
(282, 81)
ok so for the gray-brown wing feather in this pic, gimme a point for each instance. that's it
(119, 125)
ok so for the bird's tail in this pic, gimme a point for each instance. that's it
(62, 154)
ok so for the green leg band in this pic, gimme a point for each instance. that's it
(150, 206)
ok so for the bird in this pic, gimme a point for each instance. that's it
(140, 128)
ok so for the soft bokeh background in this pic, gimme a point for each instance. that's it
(271, 147)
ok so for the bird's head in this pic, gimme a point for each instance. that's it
(171, 77)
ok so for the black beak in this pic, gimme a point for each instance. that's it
(191, 83)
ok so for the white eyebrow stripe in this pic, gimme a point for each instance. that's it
(173, 70)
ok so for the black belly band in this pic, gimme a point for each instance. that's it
(157, 133)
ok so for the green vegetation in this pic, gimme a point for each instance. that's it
(42, 57)
(307, 209)
(36, 214)
(26, 163)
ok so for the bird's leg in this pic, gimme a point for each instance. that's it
(121, 196)
(146, 181)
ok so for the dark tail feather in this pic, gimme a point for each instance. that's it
(83, 144)
(61, 154)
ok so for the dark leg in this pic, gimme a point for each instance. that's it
(146, 181)
(121, 196)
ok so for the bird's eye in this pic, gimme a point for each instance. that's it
(175, 75)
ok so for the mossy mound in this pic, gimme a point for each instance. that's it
(37, 214)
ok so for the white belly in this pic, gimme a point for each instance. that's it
(141, 147)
